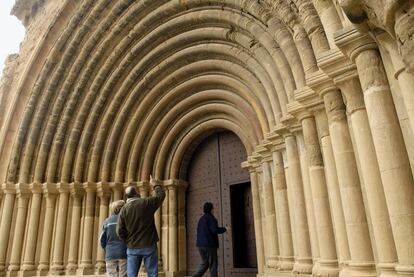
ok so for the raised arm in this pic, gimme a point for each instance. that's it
(154, 202)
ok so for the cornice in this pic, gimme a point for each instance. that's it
(351, 42)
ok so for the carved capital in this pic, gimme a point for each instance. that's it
(335, 64)
(89, 186)
(23, 190)
(351, 42)
(104, 190)
(321, 83)
(298, 110)
(8, 188)
(49, 189)
(63, 187)
(76, 189)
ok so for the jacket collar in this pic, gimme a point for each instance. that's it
(132, 199)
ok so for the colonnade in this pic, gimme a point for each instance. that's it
(56, 228)
(347, 177)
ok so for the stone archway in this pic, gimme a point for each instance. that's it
(214, 175)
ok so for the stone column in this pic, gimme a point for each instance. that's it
(335, 201)
(310, 210)
(259, 178)
(303, 261)
(182, 232)
(1, 207)
(282, 209)
(6, 219)
(405, 79)
(164, 231)
(172, 188)
(104, 195)
(50, 193)
(118, 190)
(270, 215)
(396, 174)
(401, 72)
(77, 194)
(328, 260)
(365, 151)
(257, 222)
(86, 267)
(28, 265)
(57, 260)
(362, 259)
(16, 250)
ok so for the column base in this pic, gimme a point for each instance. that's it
(286, 263)
(387, 269)
(27, 272)
(316, 269)
(12, 273)
(273, 262)
(85, 270)
(43, 270)
(405, 270)
(71, 268)
(361, 269)
(100, 268)
(303, 266)
(329, 268)
(282, 274)
(57, 269)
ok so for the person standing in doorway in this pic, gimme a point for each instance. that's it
(136, 226)
(207, 241)
(115, 249)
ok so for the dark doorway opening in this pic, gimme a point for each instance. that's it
(244, 248)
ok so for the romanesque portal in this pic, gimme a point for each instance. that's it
(319, 94)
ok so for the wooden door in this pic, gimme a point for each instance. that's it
(215, 175)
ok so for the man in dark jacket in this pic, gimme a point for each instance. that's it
(115, 249)
(136, 227)
(207, 241)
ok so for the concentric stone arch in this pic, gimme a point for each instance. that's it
(105, 93)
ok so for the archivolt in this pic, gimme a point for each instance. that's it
(114, 98)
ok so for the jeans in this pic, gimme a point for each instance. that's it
(209, 260)
(135, 256)
(116, 268)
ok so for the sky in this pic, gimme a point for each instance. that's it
(11, 32)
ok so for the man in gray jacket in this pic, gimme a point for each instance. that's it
(136, 226)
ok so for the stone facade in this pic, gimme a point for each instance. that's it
(105, 93)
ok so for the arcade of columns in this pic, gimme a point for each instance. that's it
(320, 92)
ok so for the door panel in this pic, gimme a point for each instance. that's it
(203, 177)
(214, 168)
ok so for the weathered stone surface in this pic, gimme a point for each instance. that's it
(104, 93)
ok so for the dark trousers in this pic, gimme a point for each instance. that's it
(209, 260)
